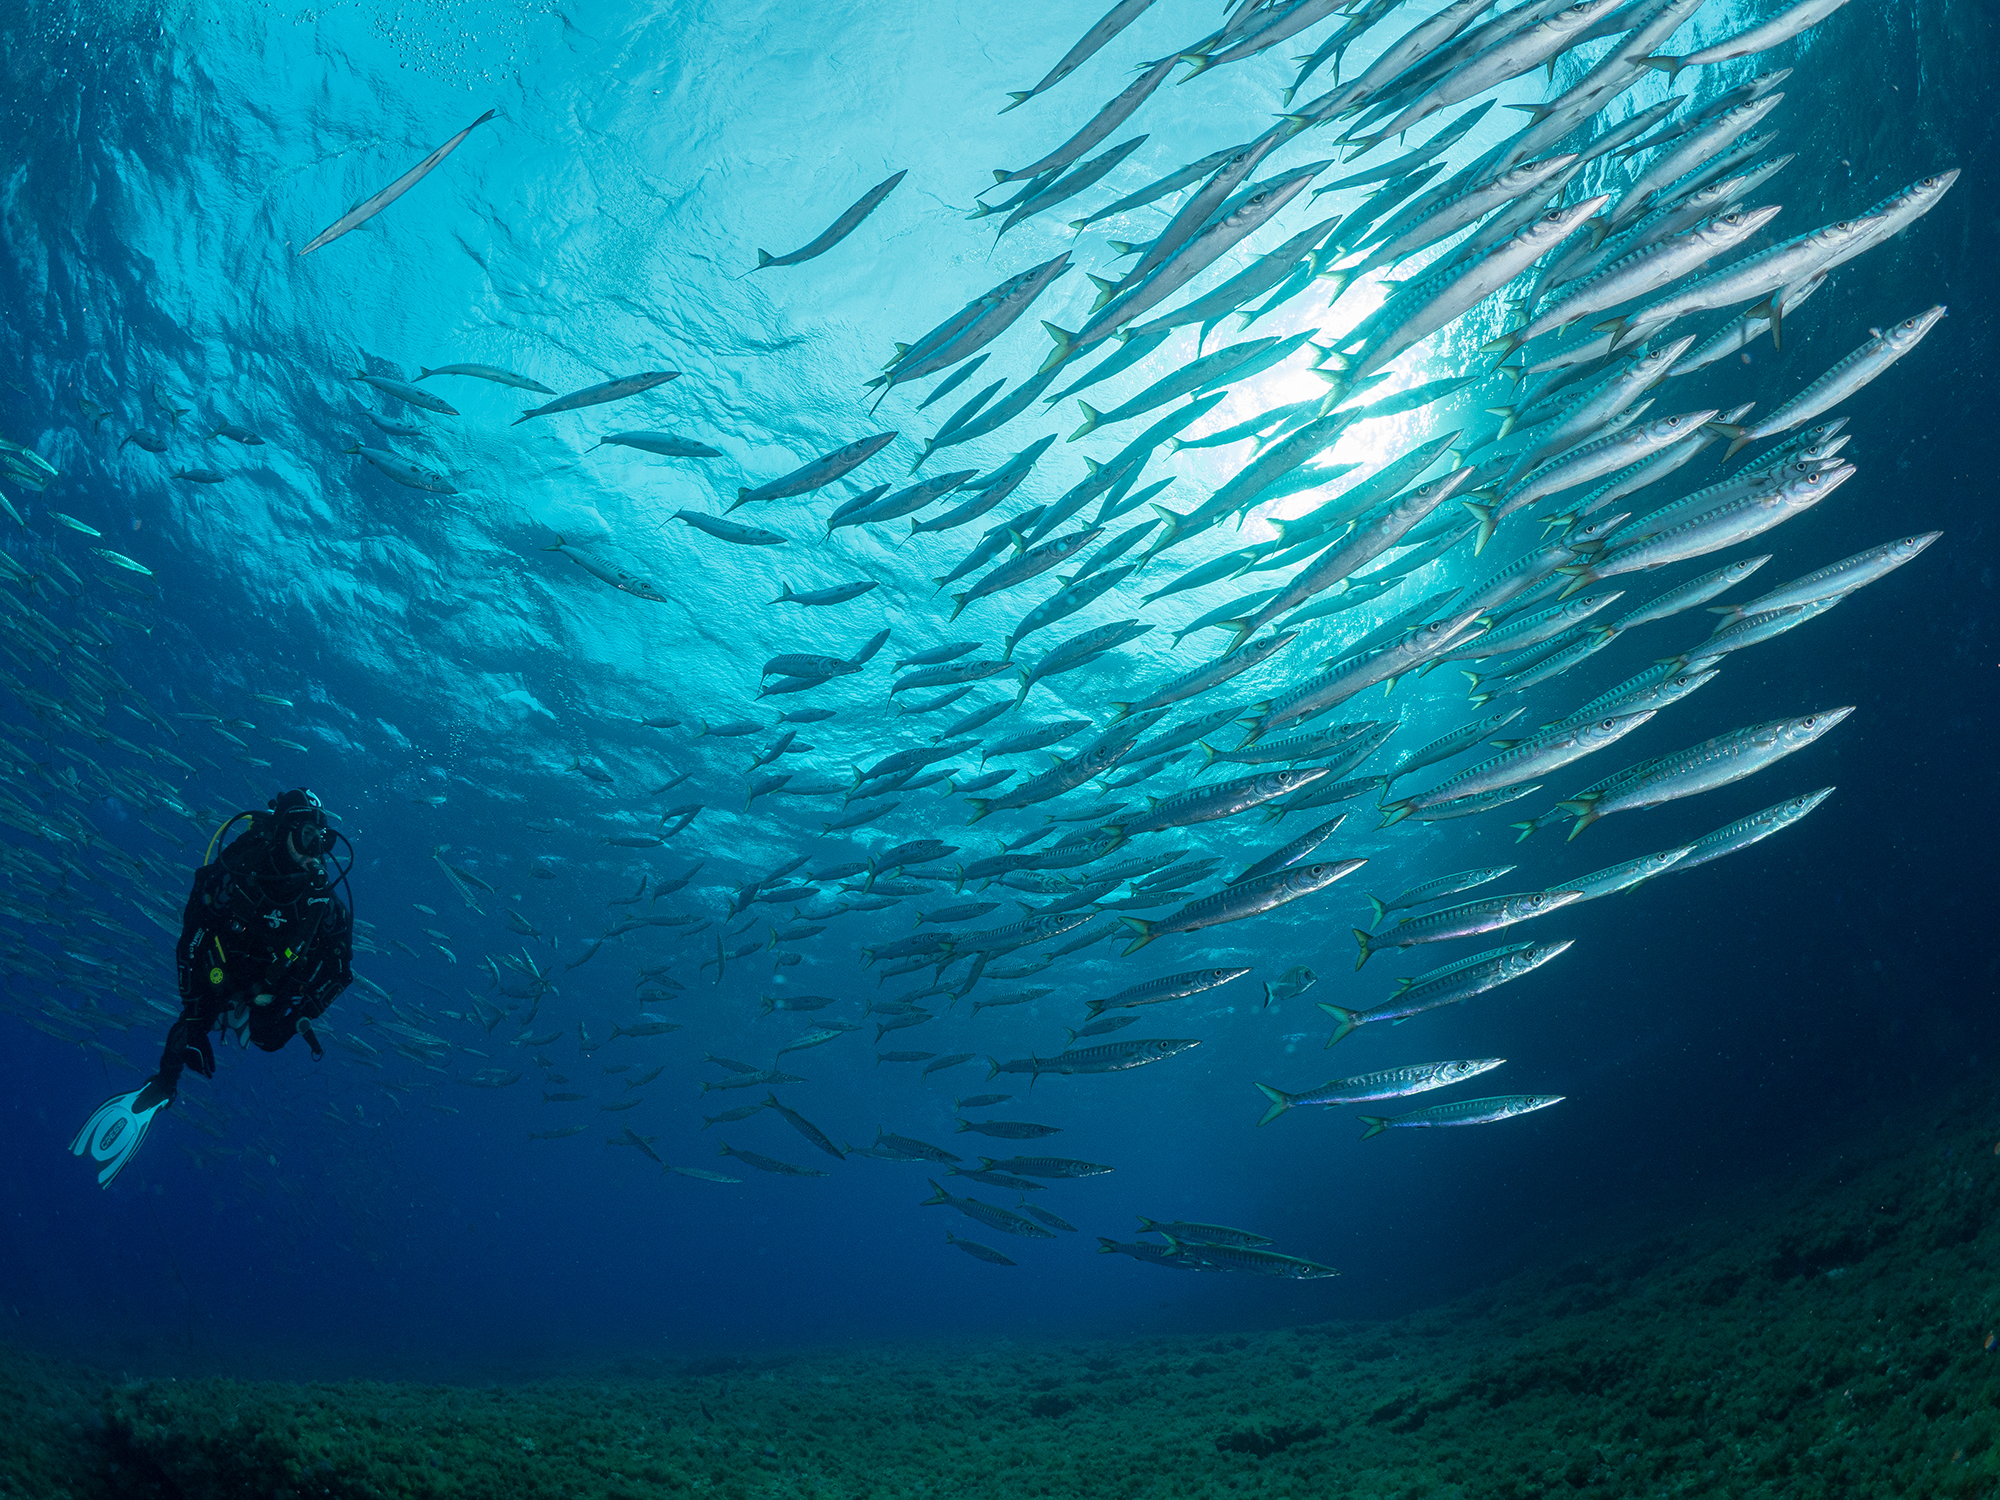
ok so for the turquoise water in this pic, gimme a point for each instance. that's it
(464, 692)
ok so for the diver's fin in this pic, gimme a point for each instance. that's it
(112, 1134)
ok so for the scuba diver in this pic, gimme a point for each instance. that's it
(265, 947)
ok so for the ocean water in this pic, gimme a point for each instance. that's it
(1717, 1036)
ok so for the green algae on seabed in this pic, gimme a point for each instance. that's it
(1838, 1346)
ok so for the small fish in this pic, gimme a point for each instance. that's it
(237, 434)
(663, 443)
(1464, 1112)
(403, 391)
(730, 531)
(355, 217)
(768, 1163)
(597, 395)
(1289, 985)
(404, 471)
(1010, 1130)
(840, 593)
(972, 1247)
(488, 372)
(1394, 1083)
(838, 230)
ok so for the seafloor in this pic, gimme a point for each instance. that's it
(1838, 1344)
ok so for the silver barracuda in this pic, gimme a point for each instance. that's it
(1366, 1088)
(1843, 380)
(1535, 756)
(1704, 767)
(1833, 580)
(1464, 1112)
(1249, 898)
(1723, 526)
(1469, 919)
(1694, 593)
(1464, 980)
(1435, 889)
(1747, 831)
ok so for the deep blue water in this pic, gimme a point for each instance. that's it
(1712, 1033)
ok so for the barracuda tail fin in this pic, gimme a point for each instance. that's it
(1280, 1102)
(1738, 435)
(938, 1195)
(1091, 417)
(1065, 345)
(1392, 814)
(1375, 1123)
(1143, 928)
(1581, 576)
(1381, 911)
(1346, 1021)
(1019, 96)
(1482, 512)
(1366, 953)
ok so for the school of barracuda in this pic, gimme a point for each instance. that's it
(1610, 254)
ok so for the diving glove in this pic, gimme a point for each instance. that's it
(113, 1133)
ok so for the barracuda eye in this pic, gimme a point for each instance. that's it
(1809, 721)
(1608, 724)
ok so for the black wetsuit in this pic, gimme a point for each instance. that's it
(256, 924)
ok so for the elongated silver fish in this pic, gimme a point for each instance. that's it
(821, 471)
(1704, 767)
(1760, 38)
(1115, 20)
(1835, 579)
(838, 230)
(1628, 873)
(1724, 526)
(1473, 286)
(1537, 755)
(1882, 350)
(1437, 888)
(1696, 148)
(597, 395)
(1469, 919)
(1753, 630)
(489, 372)
(1232, 663)
(1747, 831)
(730, 531)
(404, 471)
(1106, 1057)
(1366, 1088)
(1464, 1112)
(355, 217)
(1256, 1262)
(666, 444)
(1694, 593)
(1450, 985)
(1171, 987)
(1223, 800)
(403, 391)
(1247, 899)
